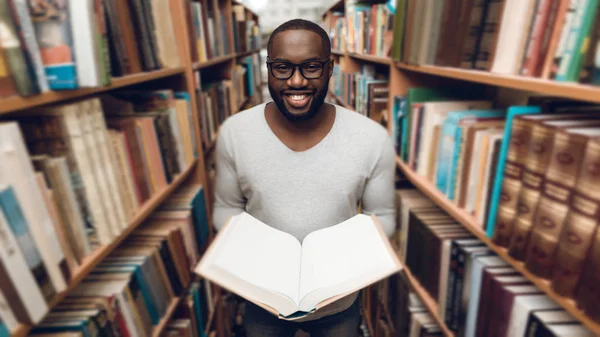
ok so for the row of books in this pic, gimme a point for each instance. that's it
(208, 30)
(219, 98)
(525, 173)
(133, 288)
(367, 91)
(190, 318)
(126, 294)
(477, 292)
(555, 39)
(246, 31)
(58, 45)
(71, 184)
(367, 29)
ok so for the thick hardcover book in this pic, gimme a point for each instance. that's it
(497, 180)
(292, 279)
(561, 177)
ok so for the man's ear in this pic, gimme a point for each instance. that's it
(331, 63)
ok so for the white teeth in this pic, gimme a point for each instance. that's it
(297, 97)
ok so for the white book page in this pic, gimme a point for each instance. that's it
(261, 255)
(341, 258)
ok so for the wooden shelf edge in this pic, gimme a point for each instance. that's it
(430, 304)
(18, 103)
(93, 260)
(371, 58)
(573, 90)
(213, 61)
(159, 329)
(338, 52)
(368, 323)
(248, 53)
(471, 224)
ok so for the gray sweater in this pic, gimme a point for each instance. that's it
(300, 192)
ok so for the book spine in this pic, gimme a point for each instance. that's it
(21, 14)
(14, 53)
(539, 35)
(587, 291)
(25, 188)
(23, 277)
(55, 41)
(580, 226)
(560, 180)
(126, 22)
(81, 15)
(147, 8)
(511, 181)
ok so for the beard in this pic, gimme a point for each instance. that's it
(313, 109)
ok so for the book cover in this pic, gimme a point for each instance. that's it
(497, 185)
(51, 21)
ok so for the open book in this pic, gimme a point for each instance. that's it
(274, 270)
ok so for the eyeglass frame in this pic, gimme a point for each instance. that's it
(297, 66)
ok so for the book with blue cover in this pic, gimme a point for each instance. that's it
(497, 186)
(458, 141)
(449, 143)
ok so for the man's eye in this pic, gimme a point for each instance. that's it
(282, 67)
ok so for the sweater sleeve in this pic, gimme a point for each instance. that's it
(229, 200)
(379, 193)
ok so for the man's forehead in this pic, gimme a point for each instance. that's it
(297, 45)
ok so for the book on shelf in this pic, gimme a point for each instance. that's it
(128, 293)
(477, 293)
(292, 279)
(550, 39)
(66, 45)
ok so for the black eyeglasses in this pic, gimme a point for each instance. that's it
(283, 70)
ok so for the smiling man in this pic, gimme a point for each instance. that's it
(300, 165)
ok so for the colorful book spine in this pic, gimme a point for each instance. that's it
(497, 186)
(53, 32)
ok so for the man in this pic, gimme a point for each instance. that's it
(299, 165)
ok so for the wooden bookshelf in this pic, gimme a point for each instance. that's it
(214, 61)
(470, 223)
(18, 103)
(99, 254)
(160, 327)
(430, 304)
(212, 314)
(371, 58)
(572, 90)
(338, 52)
(368, 323)
(248, 53)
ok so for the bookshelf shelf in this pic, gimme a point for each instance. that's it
(471, 224)
(18, 103)
(572, 90)
(338, 52)
(430, 304)
(248, 53)
(371, 58)
(95, 258)
(159, 329)
(214, 61)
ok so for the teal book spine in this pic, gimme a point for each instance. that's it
(200, 217)
(198, 310)
(446, 147)
(494, 198)
(451, 183)
(3, 330)
(147, 296)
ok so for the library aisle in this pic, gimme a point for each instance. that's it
(109, 113)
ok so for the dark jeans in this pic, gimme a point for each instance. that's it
(260, 323)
